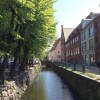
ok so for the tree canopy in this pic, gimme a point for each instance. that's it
(27, 27)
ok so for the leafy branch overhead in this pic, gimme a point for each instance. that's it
(26, 26)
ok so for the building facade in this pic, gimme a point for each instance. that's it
(88, 40)
(97, 40)
(79, 45)
(65, 32)
(73, 46)
(55, 51)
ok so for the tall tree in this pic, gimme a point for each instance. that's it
(27, 27)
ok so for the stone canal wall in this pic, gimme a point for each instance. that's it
(13, 90)
(87, 88)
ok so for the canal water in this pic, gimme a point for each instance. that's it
(48, 86)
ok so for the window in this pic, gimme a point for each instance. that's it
(58, 52)
(73, 40)
(84, 46)
(83, 35)
(95, 27)
(78, 51)
(85, 58)
(74, 52)
(59, 56)
(66, 45)
(71, 52)
(91, 56)
(77, 38)
(96, 43)
(66, 53)
(91, 44)
(71, 43)
(90, 31)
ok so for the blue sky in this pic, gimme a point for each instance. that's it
(69, 13)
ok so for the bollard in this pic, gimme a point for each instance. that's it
(83, 68)
(74, 67)
(99, 68)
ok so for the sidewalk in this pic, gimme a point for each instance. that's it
(94, 70)
(91, 69)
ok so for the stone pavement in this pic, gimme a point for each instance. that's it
(91, 69)
(94, 70)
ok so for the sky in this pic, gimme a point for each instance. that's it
(69, 13)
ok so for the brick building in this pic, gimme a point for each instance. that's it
(73, 46)
(97, 39)
(64, 36)
(80, 45)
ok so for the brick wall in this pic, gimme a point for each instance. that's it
(97, 39)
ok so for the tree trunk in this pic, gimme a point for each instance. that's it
(17, 52)
(24, 61)
(3, 65)
(16, 57)
(12, 17)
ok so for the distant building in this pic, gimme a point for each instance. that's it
(55, 51)
(64, 36)
(73, 46)
(79, 45)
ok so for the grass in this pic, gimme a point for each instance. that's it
(70, 69)
(87, 73)
(91, 75)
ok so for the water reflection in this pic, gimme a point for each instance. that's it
(48, 86)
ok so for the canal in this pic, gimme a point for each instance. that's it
(48, 86)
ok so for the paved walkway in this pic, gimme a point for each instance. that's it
(94, 70)
(90, 69)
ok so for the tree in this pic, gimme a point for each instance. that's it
(40, 32)
(27, 29)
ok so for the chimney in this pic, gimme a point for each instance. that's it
(61, 26)
(91, 13)
(62, 33)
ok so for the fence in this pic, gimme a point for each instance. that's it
(79, 67)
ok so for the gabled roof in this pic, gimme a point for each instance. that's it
(92, 15)
(67, 32)
(74, 32)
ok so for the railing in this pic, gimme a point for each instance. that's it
(79, 67)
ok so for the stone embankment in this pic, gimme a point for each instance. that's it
(87, 88)
(12, 90)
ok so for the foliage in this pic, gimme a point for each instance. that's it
(27, 28)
